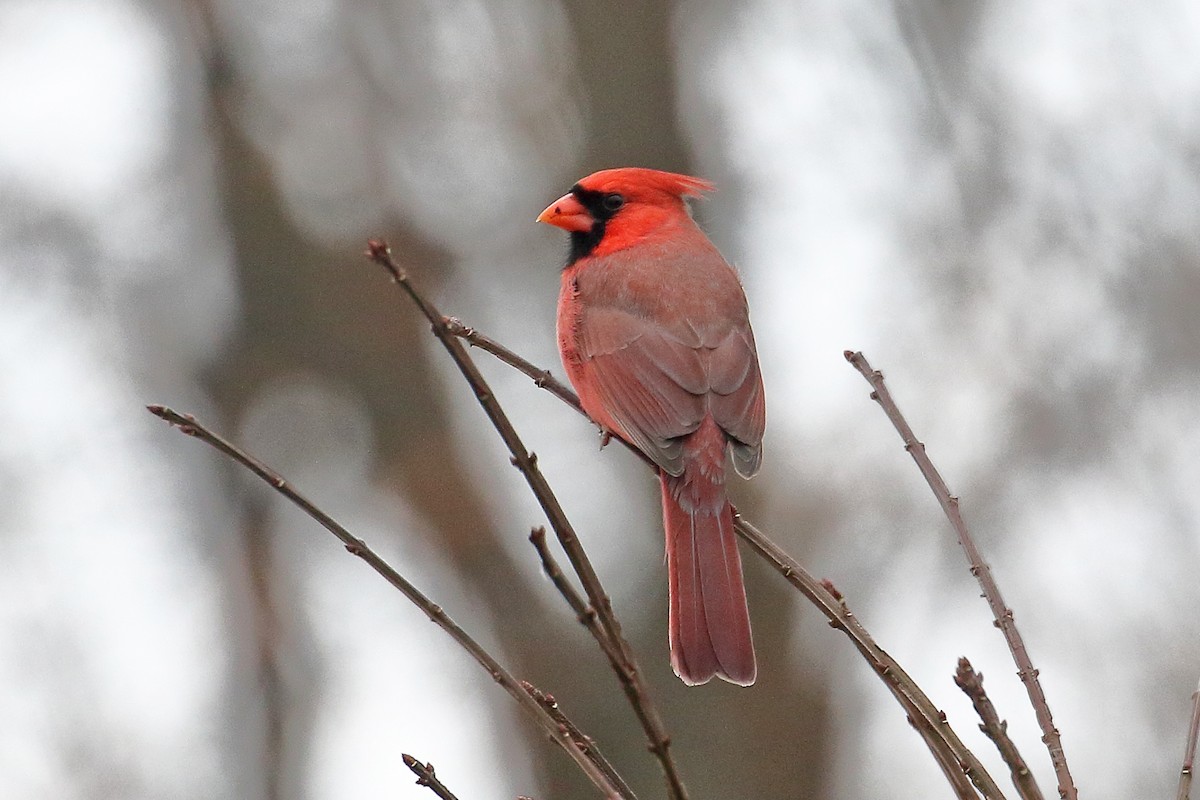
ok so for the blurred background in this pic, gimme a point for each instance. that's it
(996, 201)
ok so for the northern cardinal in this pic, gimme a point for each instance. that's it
(655, 336)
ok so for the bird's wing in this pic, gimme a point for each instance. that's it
(657, 385)
(736, 398)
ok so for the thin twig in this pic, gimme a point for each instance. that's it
(996, 729)
(583, 612)
(1189, 752)
(426, 777)
(627, 669)
(963, 788)
(929, 721)
(542, 378)
(188, 424)
(1002, 613)
(581, 740)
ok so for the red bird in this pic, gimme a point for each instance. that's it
(655, 336)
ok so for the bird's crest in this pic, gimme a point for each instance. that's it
(626, 178)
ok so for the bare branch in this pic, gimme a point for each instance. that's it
(996, 729)
(1002, 613)
(426, 777)
(929, 721)
(542, 378)
(626, 666)
(583, 612)
(963, 788)
(1189, 752)
(585, 743)
(188, 424)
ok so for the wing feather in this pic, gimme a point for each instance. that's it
(658, 386)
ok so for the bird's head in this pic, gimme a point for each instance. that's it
(614, 208)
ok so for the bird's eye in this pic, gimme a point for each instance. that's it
(613, 201)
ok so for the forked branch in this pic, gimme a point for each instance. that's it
(929, 721)
(625, 665)
(188, 425)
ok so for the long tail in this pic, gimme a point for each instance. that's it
(709, 621)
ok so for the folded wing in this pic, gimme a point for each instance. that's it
(658, 384)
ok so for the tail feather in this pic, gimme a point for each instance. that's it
(709, 621)
(725, 600)
(693, 656)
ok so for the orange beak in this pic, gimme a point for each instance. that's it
(567, 213)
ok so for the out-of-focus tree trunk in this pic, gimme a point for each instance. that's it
(334, 314)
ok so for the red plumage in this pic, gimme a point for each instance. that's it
(654, 333)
